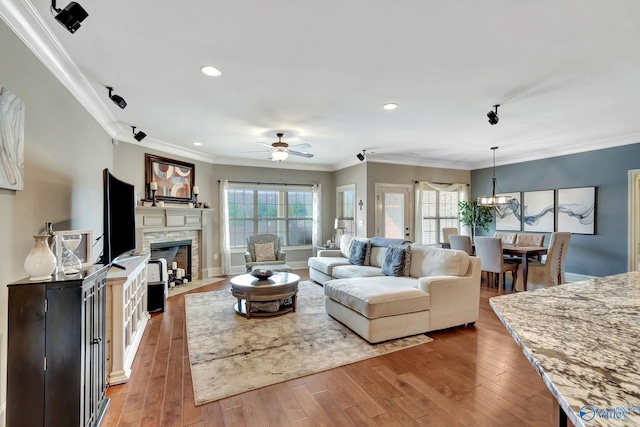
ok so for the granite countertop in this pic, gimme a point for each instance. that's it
(584, 340)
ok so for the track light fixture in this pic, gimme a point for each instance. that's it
(70, 17)
(139, 136)
(117, 99)
(360, 156)
(493, 115)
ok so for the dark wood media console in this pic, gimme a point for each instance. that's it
(56, 350)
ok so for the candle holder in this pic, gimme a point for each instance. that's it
(153, 197)
(195, 191)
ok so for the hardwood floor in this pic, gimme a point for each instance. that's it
(473, 376)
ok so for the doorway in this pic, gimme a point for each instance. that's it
(634, 220)
(393, 211)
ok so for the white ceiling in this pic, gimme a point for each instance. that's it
(566, 73)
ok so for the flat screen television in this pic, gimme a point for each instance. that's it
(119, 216)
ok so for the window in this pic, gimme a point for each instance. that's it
(346, 207)
(285, 212)
(439, 210)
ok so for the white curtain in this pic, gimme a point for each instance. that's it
(425, 185)
(316, 233)
(225, 245)
(417, 227)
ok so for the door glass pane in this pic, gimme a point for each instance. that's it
(393, 215)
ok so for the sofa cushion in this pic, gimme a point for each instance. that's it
(378, 296)
(377, 256)
(432, 261)
(326, 264)
(349, 270)
(345, 245)
(394, 261)
(358, 252)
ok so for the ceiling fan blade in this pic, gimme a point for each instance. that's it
(300, 146)
(301, 154)
(256, 151)
(265, 144)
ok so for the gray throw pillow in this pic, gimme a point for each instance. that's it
(407, 260)
(393, 264)
(358, 252)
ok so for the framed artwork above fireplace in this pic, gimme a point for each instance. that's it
(174, 179)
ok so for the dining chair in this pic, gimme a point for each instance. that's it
(550, 272)
(528, 239)
(489, 250)
(448, 231)
(507, 238)
(461, 242)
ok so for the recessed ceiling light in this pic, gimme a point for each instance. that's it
(211, 71)
(197, 143)
(390, 106)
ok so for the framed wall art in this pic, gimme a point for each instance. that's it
(11, 141)
(77, 241)
(538, 211)
(509, 217)
(577, 210)
(174, 179)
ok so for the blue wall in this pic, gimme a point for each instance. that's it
(596, 255)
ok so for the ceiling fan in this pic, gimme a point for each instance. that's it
(280, 150)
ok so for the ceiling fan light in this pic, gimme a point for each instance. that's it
(210, 71)
(279, 155)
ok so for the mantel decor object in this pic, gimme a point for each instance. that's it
(41, 261)
(174, 180)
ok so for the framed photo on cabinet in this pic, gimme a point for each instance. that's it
(78, 242)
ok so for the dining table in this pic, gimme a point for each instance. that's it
(522, 252)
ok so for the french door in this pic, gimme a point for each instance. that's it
(393, 211)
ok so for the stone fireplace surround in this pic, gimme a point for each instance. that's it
(165, 224)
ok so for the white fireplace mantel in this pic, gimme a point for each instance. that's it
(173, 221)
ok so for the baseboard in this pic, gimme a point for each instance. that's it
(3, 409)
(574, 277)
(205, 273)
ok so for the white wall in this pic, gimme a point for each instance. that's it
(65, 152)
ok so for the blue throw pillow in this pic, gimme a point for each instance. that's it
(358, 252)
(394, 261)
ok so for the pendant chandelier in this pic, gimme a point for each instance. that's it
(494, 200)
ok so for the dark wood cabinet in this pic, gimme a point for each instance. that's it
(56, 356)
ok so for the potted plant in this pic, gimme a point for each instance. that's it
(474, 215)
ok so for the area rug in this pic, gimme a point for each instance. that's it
(230, 354)
(177, 290)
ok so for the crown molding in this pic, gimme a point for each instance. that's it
(22, 17)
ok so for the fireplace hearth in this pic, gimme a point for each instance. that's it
(174, 251)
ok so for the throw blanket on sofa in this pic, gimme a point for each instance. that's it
(384, 242)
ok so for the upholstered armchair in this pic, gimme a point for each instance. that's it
(263, 249)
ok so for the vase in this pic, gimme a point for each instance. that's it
(41, 261)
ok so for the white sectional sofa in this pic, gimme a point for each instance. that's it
(441, 290)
